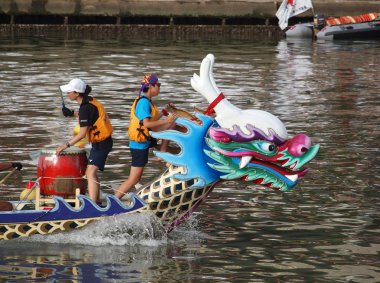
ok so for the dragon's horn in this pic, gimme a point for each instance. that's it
(204, 83)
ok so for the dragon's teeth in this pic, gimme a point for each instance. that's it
(292, 177)
(244, 161)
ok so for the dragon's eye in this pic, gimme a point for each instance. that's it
(266, 146)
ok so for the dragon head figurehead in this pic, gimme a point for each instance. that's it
(250, 145)
(264, 160)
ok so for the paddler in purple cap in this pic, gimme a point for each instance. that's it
(95, 125)
(144, 117)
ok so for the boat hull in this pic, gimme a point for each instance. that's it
(62, 217)
(368, 30)
(304, 30)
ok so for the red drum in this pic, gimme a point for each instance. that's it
(62, 174)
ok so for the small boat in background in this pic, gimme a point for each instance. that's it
(302, 30)
(346, 27)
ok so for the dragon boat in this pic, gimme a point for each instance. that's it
(223, 143)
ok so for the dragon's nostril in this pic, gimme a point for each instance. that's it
(299, 144)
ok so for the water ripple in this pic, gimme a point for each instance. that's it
(324, 231)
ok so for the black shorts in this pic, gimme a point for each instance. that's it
(99, 153)
(139, 157)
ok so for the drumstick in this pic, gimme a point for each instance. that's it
(63, 101)
(7, 176)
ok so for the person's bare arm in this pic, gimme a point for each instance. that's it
(148, 123)
(74, 140)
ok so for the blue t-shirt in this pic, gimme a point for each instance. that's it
(143, 110)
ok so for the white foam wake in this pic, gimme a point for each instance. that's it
(139, 228)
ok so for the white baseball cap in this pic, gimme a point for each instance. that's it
(74, 85)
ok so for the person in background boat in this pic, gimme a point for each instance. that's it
(144, 117)
(95, 125)
(8, 165)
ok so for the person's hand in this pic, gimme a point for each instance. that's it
(17, 165)
(67, 112)
(171, 118)
(167, 108)
(59, 149)
(169, 105)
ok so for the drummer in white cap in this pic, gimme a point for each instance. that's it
(95, 125)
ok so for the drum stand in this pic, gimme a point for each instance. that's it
(42, 200)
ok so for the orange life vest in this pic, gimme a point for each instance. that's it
(137, 131)
(102, 128)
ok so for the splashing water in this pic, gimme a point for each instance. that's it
(140, 228)
(188, 231)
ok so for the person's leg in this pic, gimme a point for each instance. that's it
(96, 161)
(133, 179)
(92, 182)
(165, 143)
(139, 160)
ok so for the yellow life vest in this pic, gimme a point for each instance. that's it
(137, 131)
(102, 128)
(82, 143)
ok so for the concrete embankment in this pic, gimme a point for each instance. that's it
(253, 8)
(174, 18)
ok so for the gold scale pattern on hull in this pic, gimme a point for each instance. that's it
(12, 231)
(171, 199)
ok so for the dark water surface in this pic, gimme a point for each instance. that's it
(326, 230)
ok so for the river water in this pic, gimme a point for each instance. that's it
(326, 230)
